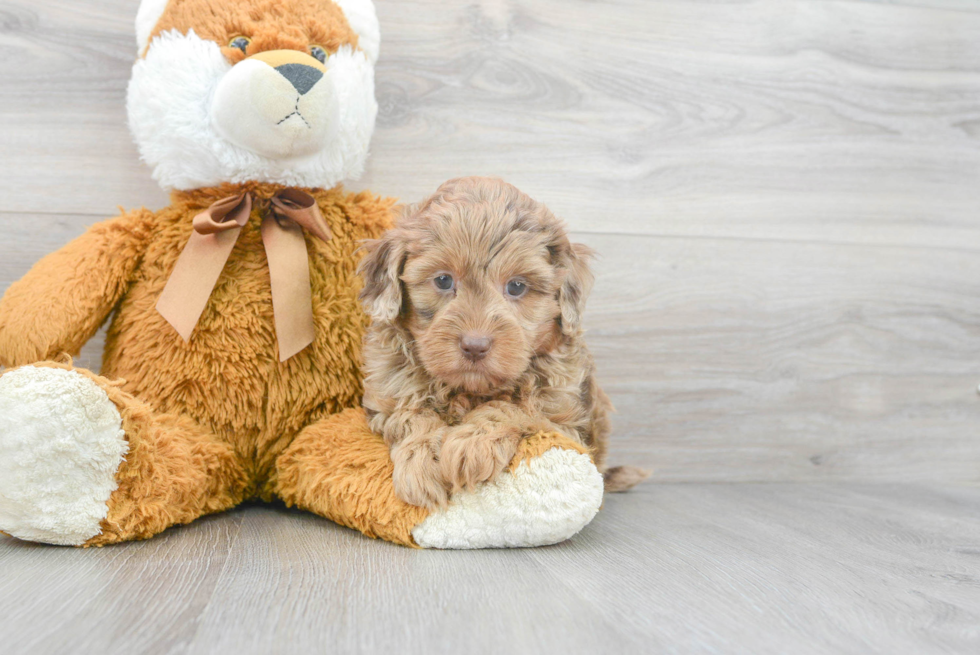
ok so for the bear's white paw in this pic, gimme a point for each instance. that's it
(545, 500)
(61, 443)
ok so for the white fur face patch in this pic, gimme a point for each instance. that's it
(199, 121)
(545, 500)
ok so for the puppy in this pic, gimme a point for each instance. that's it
(476, 298)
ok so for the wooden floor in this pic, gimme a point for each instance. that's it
(785, 195)
(691, 568)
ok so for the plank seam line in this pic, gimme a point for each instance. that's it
(646, 235)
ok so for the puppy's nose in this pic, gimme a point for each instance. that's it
(474, 346)
(301, 76)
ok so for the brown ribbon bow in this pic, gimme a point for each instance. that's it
(216, 230)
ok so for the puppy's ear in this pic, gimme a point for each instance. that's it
(381, 269)
(573, 260)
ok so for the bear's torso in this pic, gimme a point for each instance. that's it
(228, 377)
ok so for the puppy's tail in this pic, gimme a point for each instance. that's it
(623, 478)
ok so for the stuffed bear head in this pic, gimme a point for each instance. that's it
(274, 91)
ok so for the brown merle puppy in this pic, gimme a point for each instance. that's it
(476, 298)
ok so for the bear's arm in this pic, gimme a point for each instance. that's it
(67, 295)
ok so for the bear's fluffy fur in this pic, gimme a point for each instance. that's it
(217, 419)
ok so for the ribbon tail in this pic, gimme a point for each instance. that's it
(302, 208)
(196, 272)
(292, 297)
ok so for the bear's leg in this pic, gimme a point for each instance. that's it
(339, 469)
(83, 463)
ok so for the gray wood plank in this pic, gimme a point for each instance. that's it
(784, 569)
(843, 121)
(742, 568)
(376, 598)
(750, 360)
(771, 120)
(145, 595)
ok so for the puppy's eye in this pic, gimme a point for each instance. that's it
(515, 288)
(240, 42)
(319, 53)
(443, 282)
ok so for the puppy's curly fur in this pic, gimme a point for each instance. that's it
(476, 298)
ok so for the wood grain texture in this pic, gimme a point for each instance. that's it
(148, 595)
(836, 121)
(784, 196)
(808, 120)
(732, 359)
(741, 568)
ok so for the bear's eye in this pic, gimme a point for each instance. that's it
(515, 288)
(443, 282)
(240, 42)
(319, 53)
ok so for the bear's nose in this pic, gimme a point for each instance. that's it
(301, 76)
(474, 346)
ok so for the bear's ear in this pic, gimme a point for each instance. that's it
(363, 20)
(147, 17)
(381, 269)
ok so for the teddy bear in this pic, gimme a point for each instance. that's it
(231, 368)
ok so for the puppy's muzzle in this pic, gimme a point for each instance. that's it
(475, 346)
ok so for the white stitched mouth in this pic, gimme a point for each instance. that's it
(296, 113)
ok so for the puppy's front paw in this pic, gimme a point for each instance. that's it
(474, 453)
(418, 479)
